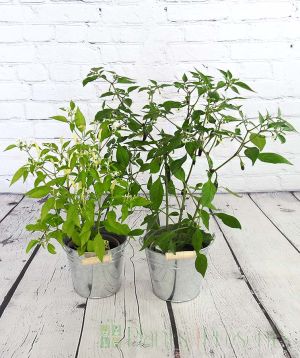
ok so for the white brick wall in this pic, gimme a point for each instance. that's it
(47, 47)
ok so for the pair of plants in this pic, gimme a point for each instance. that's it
(93, 181)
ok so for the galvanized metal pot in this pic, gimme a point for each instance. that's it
(94, 279)
(174, 280)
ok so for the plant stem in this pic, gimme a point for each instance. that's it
(185, 191)
(166, 190)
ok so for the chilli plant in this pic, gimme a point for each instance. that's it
(205, 114)
(85, 181)
(174, 142)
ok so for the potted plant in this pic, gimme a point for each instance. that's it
(182, 169)
(88, 192)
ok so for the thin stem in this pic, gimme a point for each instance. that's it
(166, 190)
(185, 191)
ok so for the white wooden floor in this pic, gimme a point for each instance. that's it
(249, 306)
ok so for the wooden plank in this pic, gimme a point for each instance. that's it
(297, 194)
(225, 319)
(271, 265)
(134, 317)
(13, 241)
(7, 203)
(44, 316)
(283, 209)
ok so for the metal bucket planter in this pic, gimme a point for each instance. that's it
(174, 280)
(94, 279)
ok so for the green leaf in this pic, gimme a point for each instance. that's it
(168, 105)
(9, 147)
(89, 79)
(72, 105)
(80, 120)
(201, 264)
(244, 86)
(136, 232)
(191, 148)
(123, 156)
(258, 140)
(84, 236)
(48, 205)
(252, 153)
(261, 118)
(99, 246)
(18, 174)
(273, 158)
(176, 168)
(60, 118)
(176, 164)
(154, 166)
(156, 194)
(111, 225)
(31, 244)
(197, 240)
(125, 80)
(132, 88)
(205, 218)
(229, 220)
(208, 193)
(139, 201)
(179, 174)
(51, 249)
(281, 138)
(72, 215)
(38, 192)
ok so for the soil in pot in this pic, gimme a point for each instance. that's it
(114, 240)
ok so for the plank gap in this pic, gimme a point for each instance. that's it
(295, 196)
(271, 221)
(15, 285)
(261, 306)
(174, 330)
(16, 204)
(135, 288)
(82, 325)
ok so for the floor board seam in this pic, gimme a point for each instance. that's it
(135, 289)
(81, 331)
(125, 317)
(296, 197)
(174, 330)
(15, 285)
(10, 211)
(261, 306)
(272, 222)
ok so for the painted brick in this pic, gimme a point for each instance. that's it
(48, 46)
(32, 72)
(14, 91)
(69, 33)
(38, 33)
(17, 53)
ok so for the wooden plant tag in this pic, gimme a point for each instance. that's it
(93, 260)
(181, 255)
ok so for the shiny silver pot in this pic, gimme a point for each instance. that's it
(175, 280)
(94, 279)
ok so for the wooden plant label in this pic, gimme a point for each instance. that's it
(93, 260)
(181, 255)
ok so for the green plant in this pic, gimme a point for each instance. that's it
(205, 114)
(85, 180)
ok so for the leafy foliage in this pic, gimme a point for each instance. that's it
(204, 114)
(85, 180)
